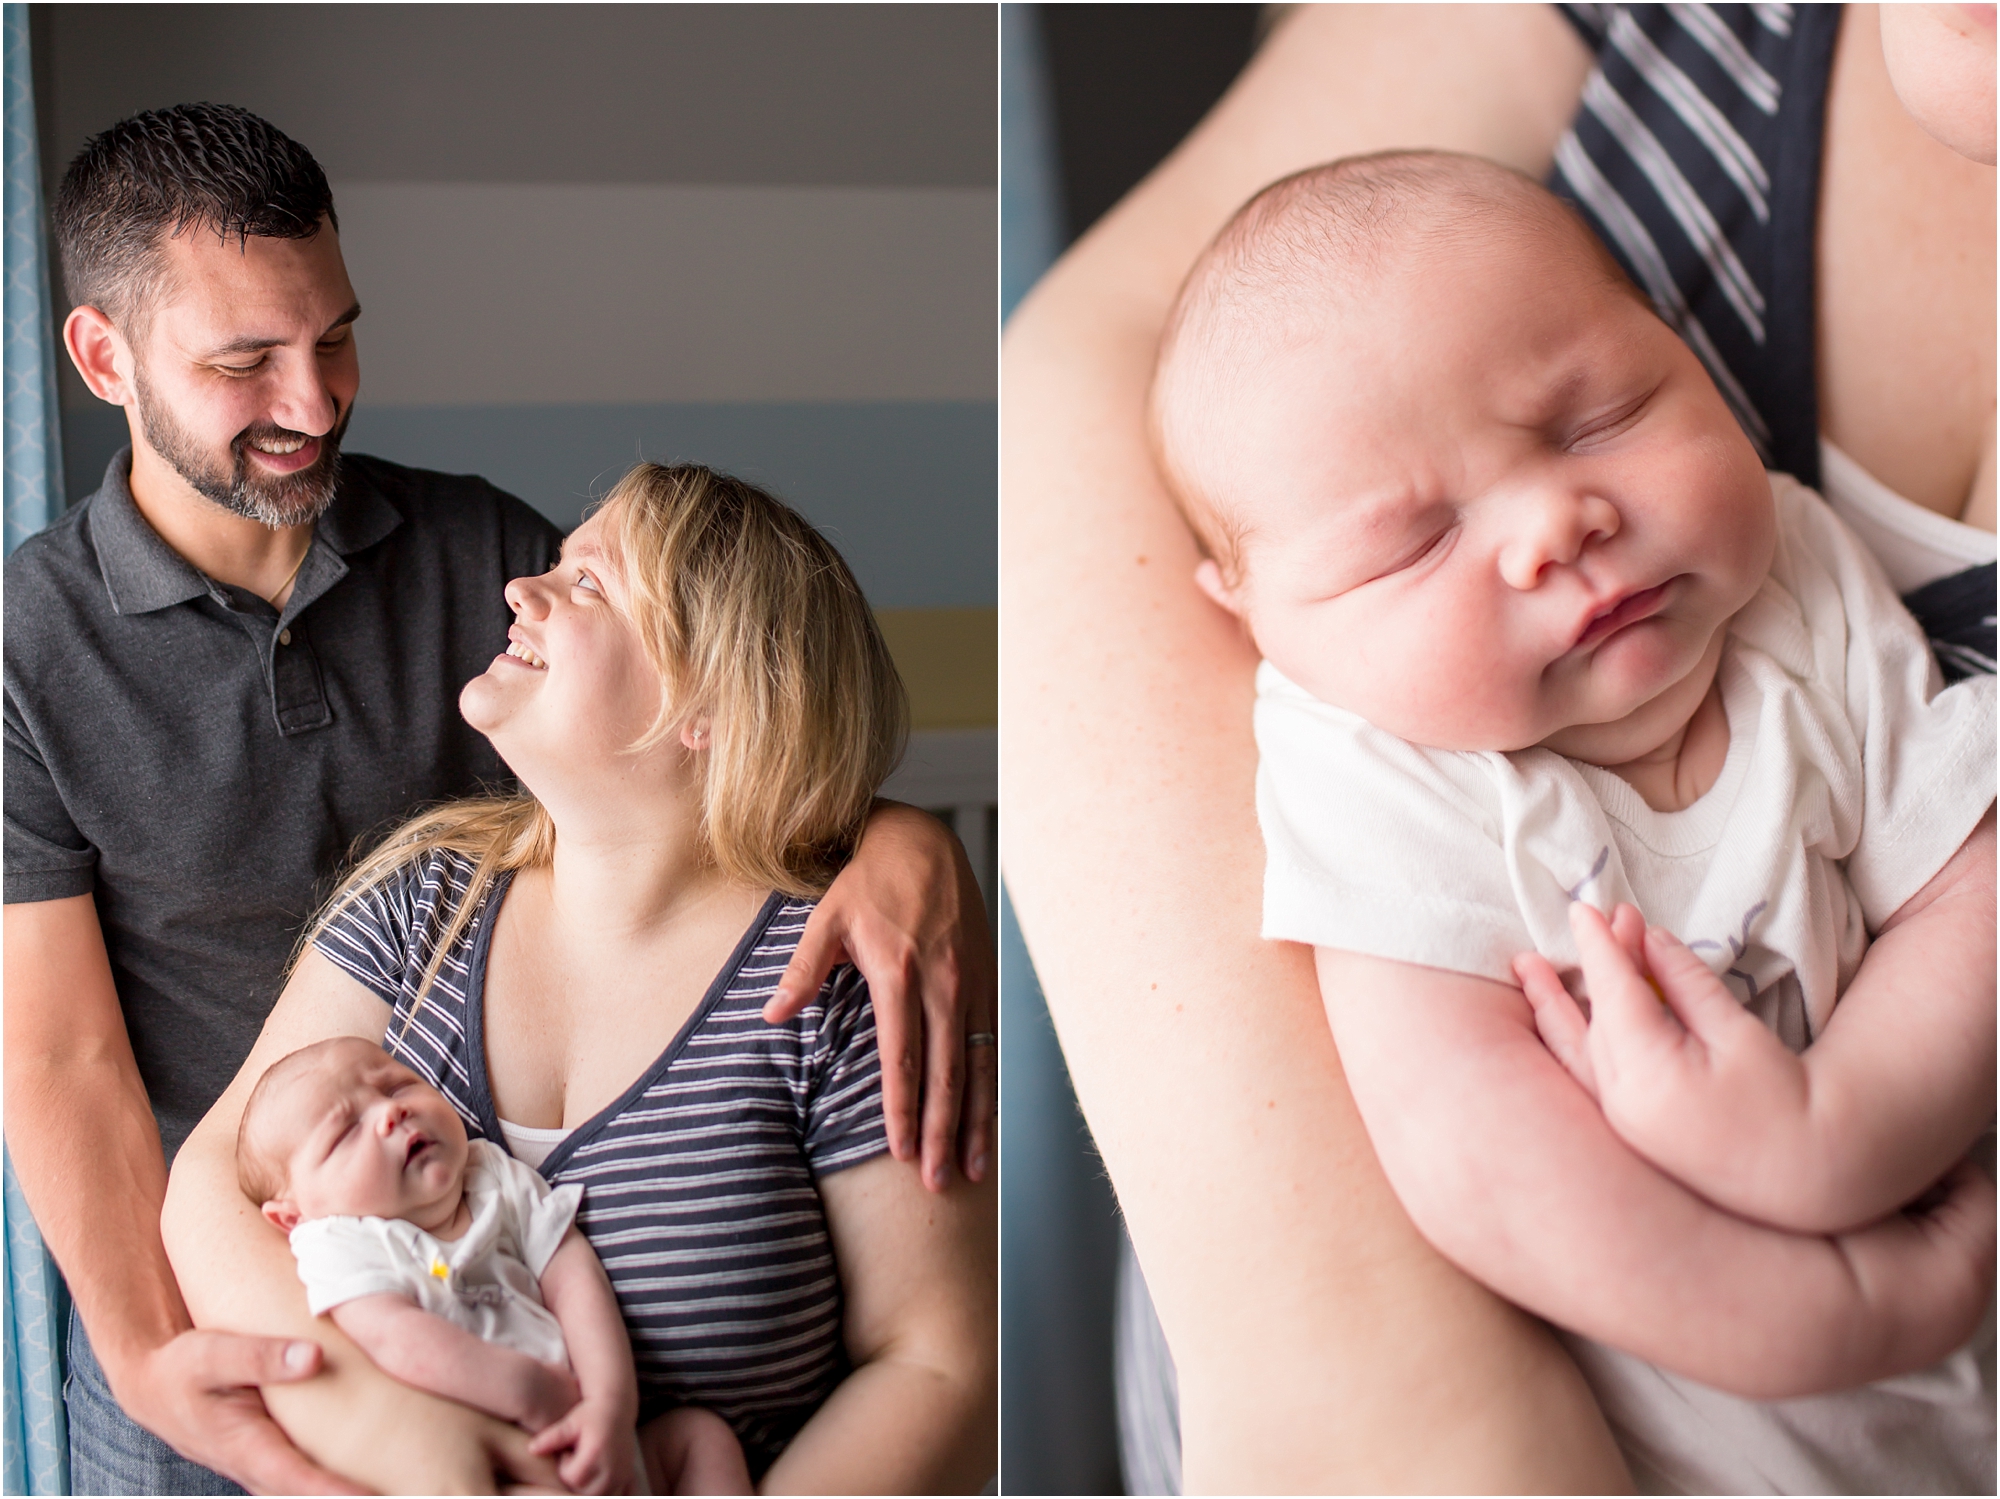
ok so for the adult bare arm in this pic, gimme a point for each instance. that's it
(1321, 1344)
(907, 913)
(917, 1415)
(85, 1146)
(236, 1272)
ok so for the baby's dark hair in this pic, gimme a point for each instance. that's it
(1317, 239)
(258, 1171)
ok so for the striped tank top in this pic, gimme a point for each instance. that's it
(699, 1180)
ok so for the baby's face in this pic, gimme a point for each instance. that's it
(361, 1135)
(1498, 505)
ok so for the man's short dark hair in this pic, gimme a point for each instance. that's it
(209, 167)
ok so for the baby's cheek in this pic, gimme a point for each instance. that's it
(1438, 693)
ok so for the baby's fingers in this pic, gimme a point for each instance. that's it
(585, 1474)
(557, 1438)
(1700, 999)
(1561, 1024)
(1629, 927)
(1625, 1009)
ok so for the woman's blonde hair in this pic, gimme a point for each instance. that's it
(754, 623)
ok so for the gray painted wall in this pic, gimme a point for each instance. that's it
(832, 95)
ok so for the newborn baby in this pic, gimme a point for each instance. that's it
(1545, 647)
(457, 1269)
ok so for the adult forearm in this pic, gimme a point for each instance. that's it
(1321, 1344)
(87, 1151)
(896, 1426)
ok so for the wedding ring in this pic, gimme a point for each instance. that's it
(980, 1038)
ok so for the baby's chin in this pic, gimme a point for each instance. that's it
(1652, 720)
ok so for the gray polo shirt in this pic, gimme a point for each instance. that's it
(205, 765)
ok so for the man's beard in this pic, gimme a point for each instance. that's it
(274, 500)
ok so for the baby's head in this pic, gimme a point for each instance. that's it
(1450, 468)
(342, 1129)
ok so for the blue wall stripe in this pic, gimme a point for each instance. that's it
(906, 490)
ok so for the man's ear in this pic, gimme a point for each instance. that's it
(282, 1215)
(1208, 577)
(100, 354)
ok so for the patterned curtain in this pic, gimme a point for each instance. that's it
(34, 480)
(35, 1440)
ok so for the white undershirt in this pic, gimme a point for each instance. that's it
(530, 1144)
(1915, 546)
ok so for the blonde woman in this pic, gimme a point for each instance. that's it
(700, 707)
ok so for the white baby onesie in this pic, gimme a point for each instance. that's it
(1852, 776)
(487, 1281)
(1850, 779)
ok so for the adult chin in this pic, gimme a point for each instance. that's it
(480, 702)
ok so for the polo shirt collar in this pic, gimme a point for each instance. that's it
(142, 573)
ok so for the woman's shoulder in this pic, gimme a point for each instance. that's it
(417, 876)
(765, 953)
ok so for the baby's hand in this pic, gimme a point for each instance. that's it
(550, 1394)
(597, 1444)
(1685, 1075)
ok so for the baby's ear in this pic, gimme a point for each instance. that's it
(1208, 577)
(282, 1214)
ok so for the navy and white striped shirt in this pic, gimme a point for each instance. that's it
(698, 1180)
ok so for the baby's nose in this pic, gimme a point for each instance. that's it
(1554, 531)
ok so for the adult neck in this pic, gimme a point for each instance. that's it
(229, 548)
(621, 879)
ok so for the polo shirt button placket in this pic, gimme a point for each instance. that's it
(298, 695)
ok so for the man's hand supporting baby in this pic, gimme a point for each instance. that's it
(588, 1418)
(1882, 1104)
(1512, 1171)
